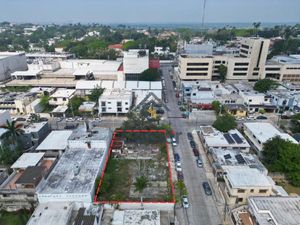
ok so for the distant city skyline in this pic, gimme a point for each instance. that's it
(145, 11)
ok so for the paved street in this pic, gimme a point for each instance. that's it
(202, 210)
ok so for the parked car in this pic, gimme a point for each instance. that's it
(193, 144)
(207, 188)
(251, 117)
(185, 202)
(44, 119)
(180, 176)
(196, 152)
(190, 136)
(178, 167)
(174, 143)
(176, 157)
(261, 118)
(199, 162)
(20, 119)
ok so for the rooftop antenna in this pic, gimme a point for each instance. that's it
(203, 14)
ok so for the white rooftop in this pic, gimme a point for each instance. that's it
(34, 127)
(31, 72)
(75, 173)
(276, 210)
(27, 159)
(241, 177)
(58, 213)
(63, 93)
(56, 140)
(136, 217)
(265, 131)
(60, 109)
(116, 94)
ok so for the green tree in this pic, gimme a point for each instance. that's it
(73, 106)
(7, 156)
(265, 85)
(130, 45)
(223, 72)
(283, 156)
(180, 185)
(225, 123)
(150, 75)
(140, 184)
(216, 105)
(256, 26)
(95, 94)
(13, 131)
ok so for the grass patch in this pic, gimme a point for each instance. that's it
(14, 218)
(17, 88)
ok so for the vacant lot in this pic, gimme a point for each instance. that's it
(137, 168)
(14, 218)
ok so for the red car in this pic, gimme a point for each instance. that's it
(196, 152)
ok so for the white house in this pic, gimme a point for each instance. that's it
(61, 97)
(116, 101)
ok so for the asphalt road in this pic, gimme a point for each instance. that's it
(202, 209)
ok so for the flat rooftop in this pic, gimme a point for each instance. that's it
(56, 140)
(276, 210)
(265, 131)
(31, 72)
(60, 109)
(116, 94)
(95, 133)
(57, 213)
(27, 159)
(75, 173)
(63, 93)
(243, 177)
(136, 217)
(34, 127)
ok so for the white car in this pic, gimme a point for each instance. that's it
(174, 143)
(185, 202)
(178, 167)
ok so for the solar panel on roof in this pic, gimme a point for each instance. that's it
(240, 159)
(227, 156)
(228, 138)
(237, 138)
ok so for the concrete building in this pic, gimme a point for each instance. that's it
(55, 143)
(27, 74)
(199, 49)
(259, 133)
(58, 213)
(61, 97)
(88, 137)
(18, 191)
(34, 134)
(49, 56)
(274, 210)
(136, 217)
(74, 176)
(221, 158)
(140, 88)
(15, 102)
(135, 62)
(284, 68)
(250, 65)
(115, 101)
(11, 62)
(255, 49)
(243, 182)
(214, 139)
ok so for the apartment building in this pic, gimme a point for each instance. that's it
(250, 65)
(284, 68)
(241, 182)
(115, 101)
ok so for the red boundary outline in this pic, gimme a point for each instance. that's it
(107, 158)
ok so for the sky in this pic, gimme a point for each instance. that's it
(149, 11)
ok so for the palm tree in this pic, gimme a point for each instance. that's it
(13, 131)
(256, 27)
(140, 184)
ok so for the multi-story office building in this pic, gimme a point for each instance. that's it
(11, 62)
(250, 65)
(283, 68)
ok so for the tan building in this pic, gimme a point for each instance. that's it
(241, 182)
(284, 68)
(249, 66)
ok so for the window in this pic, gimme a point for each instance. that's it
(194, 94)
(241, 64)
(103, 109)
(240, 69)
(241, 191)
(64, 99)
(119, 103)
(126, 108)
(263, 191)
(119, 110)
(250, 100)
(197, 64)
(196, 74)
(126, 103)
(103, 103)
(197, 69)
(244, 51)
(245, 46)
(55, 99)
(108, 102)
(240, 199)
(252, 190)
(255, 74)
(239, 74)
